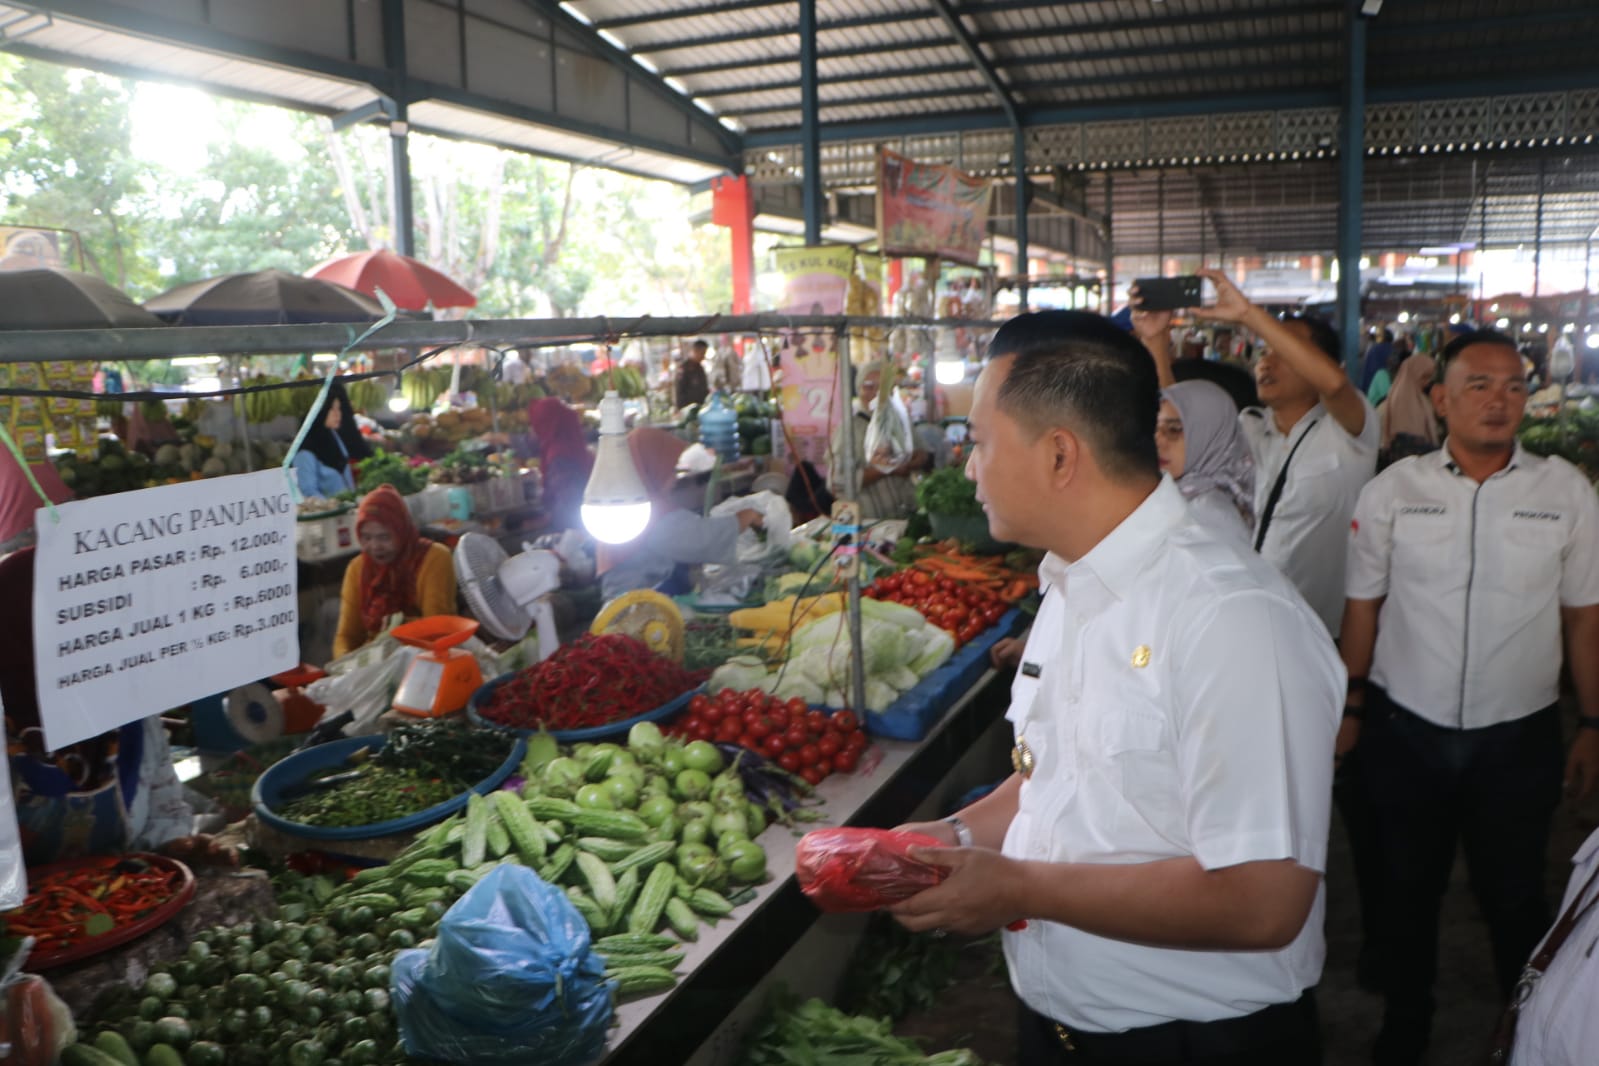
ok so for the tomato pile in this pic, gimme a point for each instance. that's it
(963, 610)
(798, 738)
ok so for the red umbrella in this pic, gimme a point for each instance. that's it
(410, 283)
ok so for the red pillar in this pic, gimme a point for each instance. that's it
(733, 206)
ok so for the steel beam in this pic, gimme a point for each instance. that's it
(1286, 9)
(919, 45)
(1351, 185)
(382, 106)
(625, 62)
(810, 133)
(404, 235)
(854, 22)
(791, 84)
(974, 53)
(666, 14)
(993, 120)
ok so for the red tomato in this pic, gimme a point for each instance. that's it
(712, 712)
(816, 721)
(795, 736)
(825, 765)
(829, 744)
(845, 761)
(761, 728)
(812, 776)
(698, 702)
(728, 730)
(789, 761)
(773, 746)
(730, 699)
(809, 754)
(796, 706)
(844, 721)
(778, 713)
(856, 742)
(699, 731)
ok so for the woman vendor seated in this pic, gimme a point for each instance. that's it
(675, 538)
(322, 465)
(398, 572)
(110, 794)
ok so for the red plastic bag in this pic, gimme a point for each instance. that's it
(844, 870)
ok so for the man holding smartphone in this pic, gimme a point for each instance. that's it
(1314, 442)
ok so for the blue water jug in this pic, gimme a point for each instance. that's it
(719, 428)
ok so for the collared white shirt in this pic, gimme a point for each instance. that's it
(1306, 538)
(1217, 748)
(1558, 1025)
(1475, 576)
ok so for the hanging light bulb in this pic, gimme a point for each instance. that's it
(399, 403)
(616, 506)
(949, 371)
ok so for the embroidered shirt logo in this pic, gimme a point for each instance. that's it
(1423, 508)
(1537, 516)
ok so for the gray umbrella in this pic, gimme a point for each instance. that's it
(262, 298)
(49, 298)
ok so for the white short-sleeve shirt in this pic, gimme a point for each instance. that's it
(1180, 700)
(1309, 528)
(1474, 577)
(1558, 1025)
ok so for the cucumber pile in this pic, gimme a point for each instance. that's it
(648, 841)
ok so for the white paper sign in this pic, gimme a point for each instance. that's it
(143, 601)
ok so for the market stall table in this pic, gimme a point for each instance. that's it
(731, 957)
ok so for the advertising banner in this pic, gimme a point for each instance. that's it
(928, 210)
(816, 283)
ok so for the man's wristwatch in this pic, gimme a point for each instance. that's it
(963, 832)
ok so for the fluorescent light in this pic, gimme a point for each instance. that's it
(197, 360)
(949, 371)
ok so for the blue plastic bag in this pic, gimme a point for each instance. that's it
(510, 978)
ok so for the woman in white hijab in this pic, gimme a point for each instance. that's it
(1202, 448)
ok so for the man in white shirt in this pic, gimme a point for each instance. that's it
(1164, 835)
(513, 371)
(1465, 565)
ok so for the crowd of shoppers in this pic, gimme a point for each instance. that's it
(1214, 578)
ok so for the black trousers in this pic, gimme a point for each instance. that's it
(1283, 1035)
(1493, 789)
(1352, 797)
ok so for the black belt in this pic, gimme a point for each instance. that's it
(1179, 1041)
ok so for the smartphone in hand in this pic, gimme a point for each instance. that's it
(1168, 294)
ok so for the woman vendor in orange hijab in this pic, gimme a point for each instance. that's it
(675, 537)
(398, 572)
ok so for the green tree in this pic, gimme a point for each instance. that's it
(68, 162)
(254, 206)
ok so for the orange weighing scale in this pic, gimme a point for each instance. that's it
(443, 677)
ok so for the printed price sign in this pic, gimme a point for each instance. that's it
(143, 601)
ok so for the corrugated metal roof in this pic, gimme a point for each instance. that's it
(94, 46)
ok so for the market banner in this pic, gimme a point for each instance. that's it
(924, 209)
(816, 282)
(144, 601)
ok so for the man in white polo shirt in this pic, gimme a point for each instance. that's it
(1314, 443)
(1465, 565)
(1164, 834)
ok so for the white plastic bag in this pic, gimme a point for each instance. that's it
(367, 689)
(770, 543)
(888, 435)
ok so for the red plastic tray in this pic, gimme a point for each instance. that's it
(182, 892)
(436, 632)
